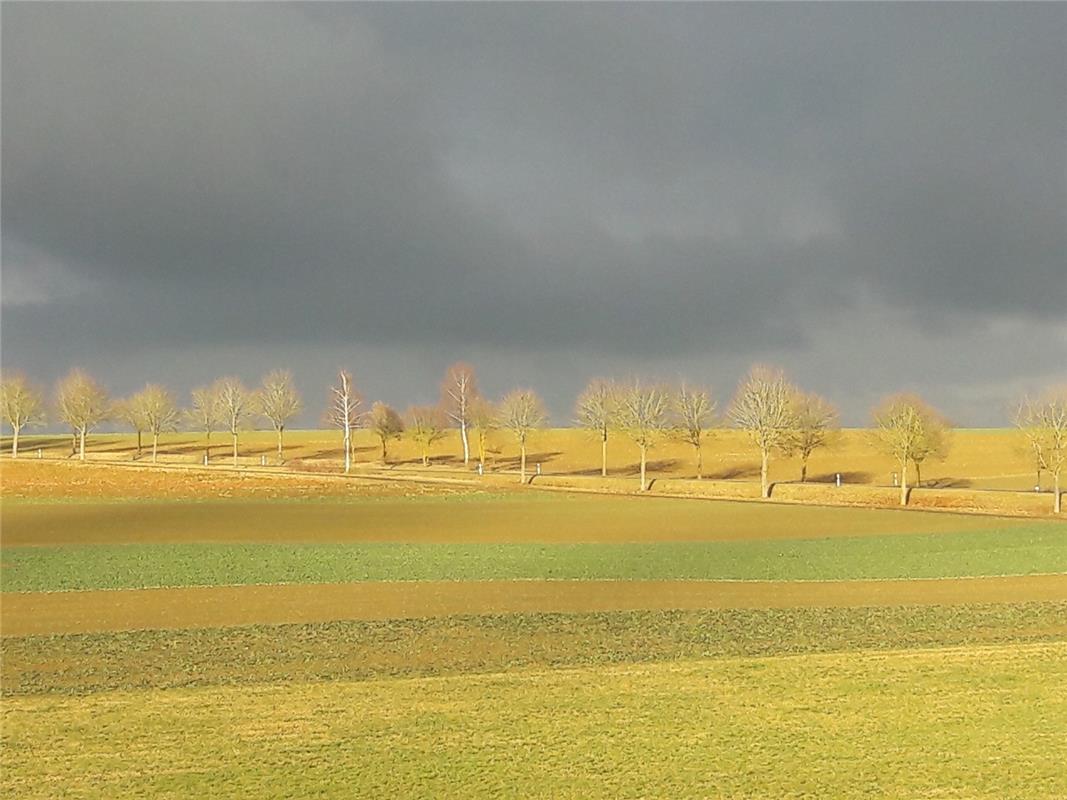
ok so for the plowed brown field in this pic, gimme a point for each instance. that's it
(209, 607)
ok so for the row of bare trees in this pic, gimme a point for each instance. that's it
(779, 418)
(84, 404)
(462, 406)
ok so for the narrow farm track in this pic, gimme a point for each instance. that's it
(29, 614)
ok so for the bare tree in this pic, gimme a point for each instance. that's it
(155, 405)
(641, 414)
(22, 406)
(82, 403)
(425, 425)
(484, 418)
(815, 423)
(278, 401)
(934, 443)
(343, 411)
(1043, 421)
(458, 392)
(695, 410)
(386, 424)
(235, 404)
(205, 414)
(904, 427)
(521, 412)
(128, 410)
(763, 409)
(596, 409)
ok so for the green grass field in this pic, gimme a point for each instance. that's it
(1020, 550)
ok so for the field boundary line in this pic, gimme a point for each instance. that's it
(479, 581)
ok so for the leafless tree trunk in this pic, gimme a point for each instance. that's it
(235, 401)
(815, 424)
(458, 393)
(484, 417)
(152, 409)
(644, 462)
(642, 416)
(83, 404)
(1044, 424)
(907, 428)
(521, 411)
(22, 405)
(278, 401)
(596, 410)
(695, 410)
(342, 411)
(386, 424)
(763, 407)
(205, 414)
(425, 426)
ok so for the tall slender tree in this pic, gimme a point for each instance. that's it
(157, 408)
(695, 410)
(22, 405)
(762, 407)
(522, 412)
(458, 394)
(484, 418)
(343, 411)
(1043, 421)
(128, 410)
(205, 414)
(596, 410)
(642, 416)
(83, 404)
(278, 401)
(235, 404)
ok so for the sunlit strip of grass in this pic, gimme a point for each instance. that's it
(1022, 551)
(983, 722)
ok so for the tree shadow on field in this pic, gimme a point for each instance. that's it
(733, 473)
(47, 443)
(846, 477)
(165, 448)
(947, 483)
(656, 465)
(513, 462)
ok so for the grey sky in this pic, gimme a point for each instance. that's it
(872, 195)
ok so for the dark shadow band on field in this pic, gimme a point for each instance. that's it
(33, 613)
(355, 650)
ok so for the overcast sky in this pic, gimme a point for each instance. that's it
(873, 196)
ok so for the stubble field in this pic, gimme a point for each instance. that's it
(171, 634)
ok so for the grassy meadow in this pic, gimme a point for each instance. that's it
(171, 634)
(963, 722)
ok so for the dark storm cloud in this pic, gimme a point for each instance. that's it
(642, 181)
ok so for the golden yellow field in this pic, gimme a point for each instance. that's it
(977, 458)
